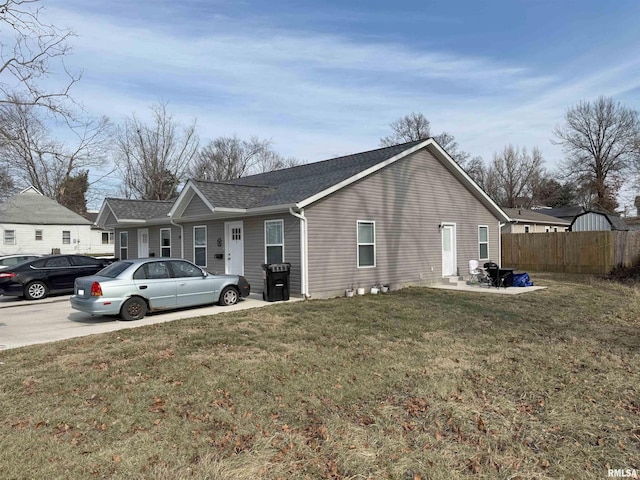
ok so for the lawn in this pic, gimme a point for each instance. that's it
(415, 384)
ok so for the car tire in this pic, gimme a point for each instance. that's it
(133, 309)
(229, 296)
(36, 290)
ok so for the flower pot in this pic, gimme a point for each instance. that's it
(349, 293)
(360, 291)
(385, 289)
(374, 290)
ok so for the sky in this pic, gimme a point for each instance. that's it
(326, 78)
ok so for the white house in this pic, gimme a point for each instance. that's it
(34, 224)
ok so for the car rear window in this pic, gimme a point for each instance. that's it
(114, 269)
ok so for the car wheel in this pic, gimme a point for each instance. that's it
(133, 309)
(36, 290)
(229, 296)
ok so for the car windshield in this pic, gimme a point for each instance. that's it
(114, 269)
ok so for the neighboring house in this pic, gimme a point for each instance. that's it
(100, 236)
(401, 215)
(564, 213)
(593, 220)
(533, 221)
(34, 224)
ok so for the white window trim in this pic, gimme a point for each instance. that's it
(358, 244)
(547, 229)
(41, 235)
(69, 232)
(120, 247)
(527, 229)
(4, 238)
(161, 247)
(205, 246)
(281, 222)
(481, 242)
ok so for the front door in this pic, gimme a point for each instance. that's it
(143, 242)
(448, 249)
(234, 248)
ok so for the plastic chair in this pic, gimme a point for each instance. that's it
(477, 273)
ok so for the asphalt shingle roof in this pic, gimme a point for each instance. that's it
(533, 216)
(125, 209)
(33, 208)
(295, 184)
(232, 196)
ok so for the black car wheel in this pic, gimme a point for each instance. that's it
(36, 290)
(229, 296)
(133, 309)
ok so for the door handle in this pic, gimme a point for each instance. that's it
(142, 287)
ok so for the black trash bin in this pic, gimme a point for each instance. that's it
(276, 281)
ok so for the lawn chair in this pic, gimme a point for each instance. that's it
(478, 274)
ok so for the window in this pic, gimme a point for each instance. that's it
(57, 262)
(107, 238)
(366, 244)
(165, 242)
(124, 245)
(38, 235)
(483, 242)
(555, 229)
(152, 271)
(526, 229)
(185, 269)
(274, 241)
(200, 246)
(547, 229)
(9, 237)
(66, 237)
(82, 261)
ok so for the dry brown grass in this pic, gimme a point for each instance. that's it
(412, 385)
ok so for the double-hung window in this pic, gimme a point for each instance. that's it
(66, 237)
(366, 244)
(124, 245)
(274, 241)
(9, 237)
(483, 242)
(165, 242)
(38, 235)
(200, 246)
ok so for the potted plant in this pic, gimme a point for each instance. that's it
(375, 290)
(360, 290)
(350, 292)
(384, 288)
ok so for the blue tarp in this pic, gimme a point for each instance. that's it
(522, 280)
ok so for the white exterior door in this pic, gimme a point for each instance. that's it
(143, 242)
(234, 248)
(448, 249)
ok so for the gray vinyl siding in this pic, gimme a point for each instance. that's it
(154, 240)
(133, 242)
(407, 201)
(111, 220)
(196, 207)
(215, 231)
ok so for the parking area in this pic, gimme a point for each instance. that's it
(25, 322)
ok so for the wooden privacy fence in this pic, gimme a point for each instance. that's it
(570, 252)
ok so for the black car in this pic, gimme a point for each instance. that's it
(35, 279)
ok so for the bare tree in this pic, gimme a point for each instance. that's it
(154, 158)
(7, 185)
(29, 54)
(599, 140)
(227, 158)
(409, 128)
(31, 156)
(415, 126)
(512, 176)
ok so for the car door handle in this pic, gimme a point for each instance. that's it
(142, 287)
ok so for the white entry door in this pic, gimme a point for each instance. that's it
(234, 248)
(143, 242)
(448, 250)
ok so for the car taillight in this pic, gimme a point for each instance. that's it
(7, 274)
(96, 289)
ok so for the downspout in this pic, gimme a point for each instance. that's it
(500, 225)
(304, 253)
(181, 236)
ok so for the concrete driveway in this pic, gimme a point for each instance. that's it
(25, 322)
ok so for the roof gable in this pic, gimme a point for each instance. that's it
(133, 211)
(534, 216)
(30, 207)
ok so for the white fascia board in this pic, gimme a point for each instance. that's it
(135, 221)
(271, 208)
(230, 210)
(104, 210)
(361, 175)
(186, 195)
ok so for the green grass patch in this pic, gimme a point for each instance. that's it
(415, 384)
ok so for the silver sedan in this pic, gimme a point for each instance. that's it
(131, 288)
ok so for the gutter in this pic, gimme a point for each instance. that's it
(304, 252)
(181, 236)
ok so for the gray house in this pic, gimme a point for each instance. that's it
(401, 215)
